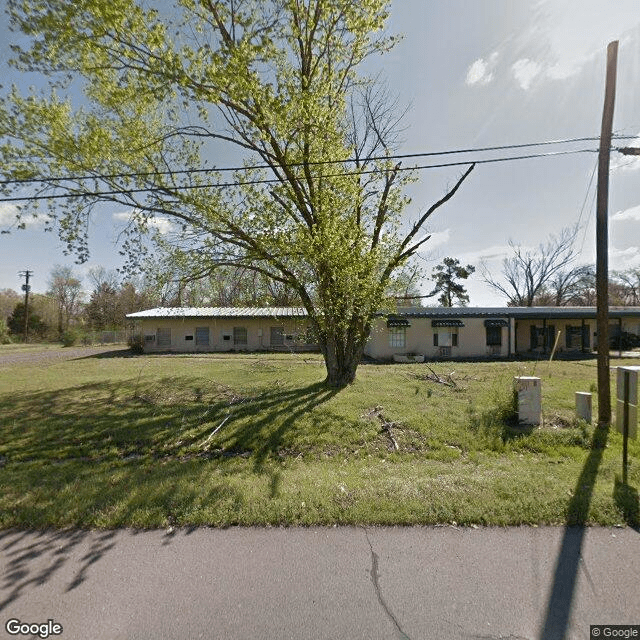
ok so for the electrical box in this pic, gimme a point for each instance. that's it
(529, 392)
(583, 406)
(633, 400)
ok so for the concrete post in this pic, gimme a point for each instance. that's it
(583, 406)
(529, 390)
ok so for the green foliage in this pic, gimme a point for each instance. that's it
(136, 343)
(5, 338)
(446, 276)
(37, 328)
(285, 78)
(70, 337)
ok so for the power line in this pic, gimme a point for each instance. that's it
(223, 185)
(404, 156)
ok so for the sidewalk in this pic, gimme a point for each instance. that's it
(419, 582)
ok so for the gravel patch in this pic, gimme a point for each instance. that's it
(43, 356)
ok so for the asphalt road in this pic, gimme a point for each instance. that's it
(392, 583)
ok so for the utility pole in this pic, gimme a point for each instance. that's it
(26, 274)
(602, 240)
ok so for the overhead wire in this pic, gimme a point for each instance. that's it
(403, 156)
(223, 185)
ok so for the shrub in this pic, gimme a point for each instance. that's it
(136, 343)
(69, 338)
(5, 338)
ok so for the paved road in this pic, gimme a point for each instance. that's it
(387, 583)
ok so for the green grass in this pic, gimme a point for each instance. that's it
(129, 441)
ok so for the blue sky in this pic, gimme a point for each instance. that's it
(475, 73)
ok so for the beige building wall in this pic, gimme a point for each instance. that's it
(225, 334)
(471, 342)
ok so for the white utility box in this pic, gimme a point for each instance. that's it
(583, 406)
(633, 400)
(529, 390)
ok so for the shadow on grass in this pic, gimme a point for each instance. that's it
(173, 417)
(626, 499)
(121, 352)
(104, 454)
(566, 573)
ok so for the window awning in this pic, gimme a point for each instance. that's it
(496, 322)
(397, 321)
(449, 322)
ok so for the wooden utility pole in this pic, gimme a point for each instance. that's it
(26, 288)
(602, 240)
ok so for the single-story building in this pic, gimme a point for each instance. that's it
(438, 332)
(471, 332)
(224, 329)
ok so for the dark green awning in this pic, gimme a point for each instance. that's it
(397, 321)
(497, 322)
(448, 322)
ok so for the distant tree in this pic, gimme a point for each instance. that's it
(569, 287)
(624, 288)
(8, 301)
(66, 289)
(111, 301)
(405, 286)
(447, 277)
(37, 328)
(526, 272)
(224, 286)
(102, 310)
(5, 338)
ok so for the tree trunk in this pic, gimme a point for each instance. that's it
(341, 356)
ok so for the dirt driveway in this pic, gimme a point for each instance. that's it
(52, 354)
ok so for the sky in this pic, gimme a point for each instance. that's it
(473, 73)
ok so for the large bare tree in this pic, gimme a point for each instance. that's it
(280, 81)
(526, 272)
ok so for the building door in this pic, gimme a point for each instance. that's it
(277, 337)
(163, 337)
(202, 336)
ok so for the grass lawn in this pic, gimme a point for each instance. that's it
(157, 441)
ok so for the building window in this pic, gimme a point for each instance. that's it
(163, 337)
(494, 336)
(397, 337)
(445, 338)
(202, 336)
(239, 336)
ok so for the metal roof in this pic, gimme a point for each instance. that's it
(513, 312)
(410, 312)
(221, 312)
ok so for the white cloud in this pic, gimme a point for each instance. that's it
(620, 162)
(623, 259)
(525, 71)
(481, 71)
(488, 254)
(437, 239)
(8, 213)
(161, 224)
(632, 213)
